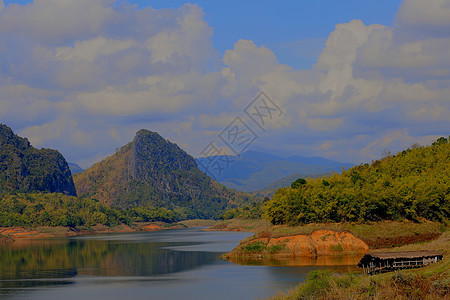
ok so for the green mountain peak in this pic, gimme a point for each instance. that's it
(26, 169)
(153, 172)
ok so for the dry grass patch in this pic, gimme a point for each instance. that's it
(241, 225)
(375, 234)
(198, 223)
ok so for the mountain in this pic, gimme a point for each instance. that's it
(254, 171)
(26, 169)
(153, 172)
(74, 168)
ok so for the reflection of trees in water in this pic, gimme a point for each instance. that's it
(330, 261)
(38, 263)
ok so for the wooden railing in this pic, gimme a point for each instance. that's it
(385, 266)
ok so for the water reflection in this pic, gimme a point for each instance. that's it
(344, 263)
(35, 263)
(168, 265)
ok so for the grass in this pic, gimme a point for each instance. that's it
(399, 285)
(276, 248)
(255, 247)
(337, 247)
(431, 282)
(198, 223)
(242, 225)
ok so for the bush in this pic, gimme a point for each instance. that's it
(255, 247)
(276, 248)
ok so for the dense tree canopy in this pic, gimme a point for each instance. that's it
(44, 209)
(414, 184)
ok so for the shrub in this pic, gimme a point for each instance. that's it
(255, 247)
(276, 248)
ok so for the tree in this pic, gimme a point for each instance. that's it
(298, 183)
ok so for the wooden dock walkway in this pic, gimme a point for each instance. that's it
(380, 262)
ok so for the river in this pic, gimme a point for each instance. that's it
(171, 264)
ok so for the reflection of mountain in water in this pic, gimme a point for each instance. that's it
(49, 262)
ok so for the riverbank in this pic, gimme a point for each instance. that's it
(292, 245)
(9, 234)
(317, 244)
(377, 235)
(430, 282)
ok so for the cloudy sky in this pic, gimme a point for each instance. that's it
(352, 79)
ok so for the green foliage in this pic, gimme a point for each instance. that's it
(317, 283)
(252, 212)
(255, 247)
(337, 247)
(140, 214)
(55, 210)
(276, 248)
(414, 184)
(298, 183)
(42, 209)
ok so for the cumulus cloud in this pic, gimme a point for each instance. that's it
(425, 17)
(82, 76)
(101, 62)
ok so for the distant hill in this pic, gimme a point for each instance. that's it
(153, 172)
(24, 168)
(254, 171)
(413, 184)
(74, 168)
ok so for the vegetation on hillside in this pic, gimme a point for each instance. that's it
(151, 172)
(54, 210)
(414, 185)
(26, 169)
(45, 209)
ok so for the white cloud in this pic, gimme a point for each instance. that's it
(83, 76)
(428, 17)
(52, 21)
(92, 49)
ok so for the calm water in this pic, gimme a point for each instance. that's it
(175, 264)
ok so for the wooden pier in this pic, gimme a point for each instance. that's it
(380, 262)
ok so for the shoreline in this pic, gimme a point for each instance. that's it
(376, 235)
(10, 234)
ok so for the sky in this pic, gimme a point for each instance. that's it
(346, 80)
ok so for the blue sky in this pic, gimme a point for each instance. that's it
(353, 78)
(295, 30)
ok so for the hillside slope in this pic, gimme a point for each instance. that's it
(24, 168)
(153, 172)
(414, 184)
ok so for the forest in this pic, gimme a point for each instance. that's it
(55, 209)
(413, 184)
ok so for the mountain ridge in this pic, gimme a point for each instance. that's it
(151, 172)
(253, 171)
(27, 169)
